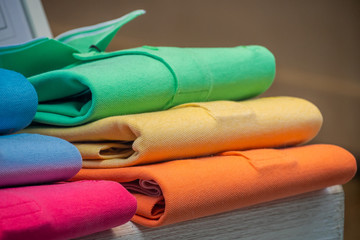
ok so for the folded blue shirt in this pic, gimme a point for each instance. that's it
(18, 101)
(33, 159)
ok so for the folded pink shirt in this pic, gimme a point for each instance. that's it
(63, 210)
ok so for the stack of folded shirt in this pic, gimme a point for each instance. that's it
(58, 210)
(178, 127)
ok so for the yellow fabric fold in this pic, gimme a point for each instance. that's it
(191, 130)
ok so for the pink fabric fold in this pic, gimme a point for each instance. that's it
(63, 210)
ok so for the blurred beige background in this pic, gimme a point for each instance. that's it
(316, 45)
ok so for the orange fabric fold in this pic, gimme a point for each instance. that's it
(194, 188)
(151, 207)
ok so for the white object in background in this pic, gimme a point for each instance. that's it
(21, 21)
(316, 215)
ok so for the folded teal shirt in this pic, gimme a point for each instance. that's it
(18, 102)
(148, 79)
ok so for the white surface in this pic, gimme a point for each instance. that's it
(37, 18)
(313, 216)
(15, 28)
(21, 21)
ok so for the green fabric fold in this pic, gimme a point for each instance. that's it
(149, 79)
(44, 54)
(78, 82)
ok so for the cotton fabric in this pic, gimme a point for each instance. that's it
(191, 130)
(43, 54)
(34, 159)
(63, 210)
(194, 188)
(147, 79)
(18, 102)
(78, 82)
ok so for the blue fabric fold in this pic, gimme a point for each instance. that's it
(18, 102)
(34, 159)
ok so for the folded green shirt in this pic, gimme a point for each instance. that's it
(149, 79)
(78, 82)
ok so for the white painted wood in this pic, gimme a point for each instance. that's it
(37, 18)
(22, 21)
(14, 26)
(312, 216)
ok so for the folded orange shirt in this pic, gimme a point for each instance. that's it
(180, 190)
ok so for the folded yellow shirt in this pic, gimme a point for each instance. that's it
(191, 130)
